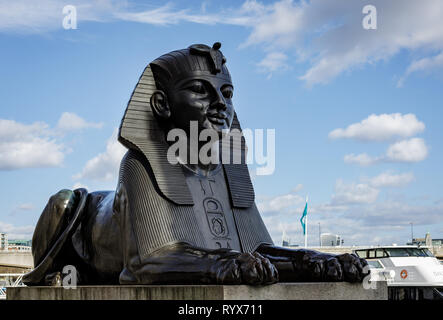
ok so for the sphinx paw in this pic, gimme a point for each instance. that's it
(354, 268)
(227, 272)
(246, 268)
(322, 267)
(256, 269)
(343, 267)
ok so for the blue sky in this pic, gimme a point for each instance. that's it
(357, 113)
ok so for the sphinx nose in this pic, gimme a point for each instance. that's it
(219, 102)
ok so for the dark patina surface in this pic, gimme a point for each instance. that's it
(183, 223)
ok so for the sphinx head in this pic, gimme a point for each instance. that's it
(193, 84)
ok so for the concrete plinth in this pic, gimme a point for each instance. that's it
(280, 291)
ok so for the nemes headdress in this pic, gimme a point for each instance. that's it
(198, 58)
(140, 130)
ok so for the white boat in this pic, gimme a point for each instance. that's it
(412, 272)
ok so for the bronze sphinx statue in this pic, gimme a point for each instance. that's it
(187, 222)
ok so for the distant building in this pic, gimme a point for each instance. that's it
(330, 240)
(19, 245)
(19, 248)
(3, 241)
(426, 241)
(417, 242)
(20, 242)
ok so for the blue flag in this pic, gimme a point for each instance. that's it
(303, 218)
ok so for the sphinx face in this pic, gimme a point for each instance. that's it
(206, 99)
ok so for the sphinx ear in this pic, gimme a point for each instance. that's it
(159, 104)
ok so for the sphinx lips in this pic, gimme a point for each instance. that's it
(217, 119)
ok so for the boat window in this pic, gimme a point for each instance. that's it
(380, 253)
(417, 252)
(397, 252)
(371, 253)
(375, 264)
(362, 253)
(408, 252)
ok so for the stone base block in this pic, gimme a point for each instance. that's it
(280, 291)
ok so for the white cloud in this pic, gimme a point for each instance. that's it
(361, 159)
(26, 206)
(22, 208)
(36, 145)
(356, 213)
(28, 146)
(328, 207)
(273, 61)
(381, 128)
(27, 16)
(355, 224)
(385, 127)
(330, 37)
(279, 203)
(167, 15)
(327, 35)
(105, 166)
(396, 213)
(164, 15)
(424, 64)
(14, 232)
(384, 222)
(387, 179)
(353, 193)
(70, 121)
(276, 24)
(408, 151)
(412, 150)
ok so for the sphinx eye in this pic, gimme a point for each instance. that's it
(228, 92)
(197, 87)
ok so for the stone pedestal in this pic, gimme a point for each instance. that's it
(280, 291)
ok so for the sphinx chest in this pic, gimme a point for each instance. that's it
(213, 211)
(210, 222)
